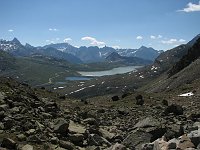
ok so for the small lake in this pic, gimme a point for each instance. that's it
(118, 70)
(80, 78)
(90, 75)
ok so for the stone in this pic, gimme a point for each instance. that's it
(115, 98)
(139, 100)
(66, 145)
(76, 138)
(125, 95)
(30, 132)
(195, 137)
(147, 122)
(165, 102)
(90, 121)
(8, 123)
(46, 115)
(174, 131)
(76, 128)
(1, 126)
(9, 143)
(27, 147)
(61, 126)
(147, 146)
(171, 145)
(3, 107)
(106, 134)
(118, 146)
(95, 139)
(40, 126)
(136, 139)
(21, 137)
(35, 139)
(184, 143)
(54, 140)
(175, 109)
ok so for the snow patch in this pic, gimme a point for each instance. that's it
(187, 94)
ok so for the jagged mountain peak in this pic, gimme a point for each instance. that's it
(16, 41)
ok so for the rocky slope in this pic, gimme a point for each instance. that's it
(38, 119)
(116, 58)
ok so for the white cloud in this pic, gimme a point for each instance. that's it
(57, 39)
(181, 40)
(173, 41)
(92, 41)
(10, 30)
(159, 36)
(152, 37)
(191, 7)
(116, 47)
(139, 37)
(53, 29)
(67, 40)
(50, 41)
(156, 37)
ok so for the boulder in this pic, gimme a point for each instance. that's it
(66, 145)
(147, 146)
(147, 122)
(77, 139)
(165, 102)
(115, 98)
(90, 121)
(145, 131)
(27, 147)
(61, 126)
(174, 131)
(136, 138)
(76, 128)
(118, 146)
(106, 134)
(184, 143)
(95, 139)
(54, 140)
(175, 109)
(9, 143)
(195, 137)
(21, 137)
(139, 100)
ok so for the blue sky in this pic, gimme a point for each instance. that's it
(161, 24)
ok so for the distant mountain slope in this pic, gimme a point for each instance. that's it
(52, 52)
(15, 48)
(192, 55)
(143, 52)
(184, 71)
(95, 54)
(7, 62)
(115, 57)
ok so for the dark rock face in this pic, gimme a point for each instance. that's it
(139, 100)
(175, 109)
(115, 98)
(192, 55)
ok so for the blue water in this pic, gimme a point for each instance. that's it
(78, 78)
(91, 75)
(118, 70)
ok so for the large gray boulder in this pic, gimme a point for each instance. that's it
(61, 126)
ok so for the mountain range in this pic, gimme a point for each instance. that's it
(73, 54)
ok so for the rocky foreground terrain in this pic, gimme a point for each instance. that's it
(41, 120)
